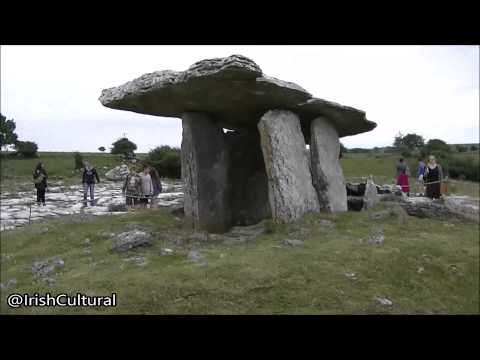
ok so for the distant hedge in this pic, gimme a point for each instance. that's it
(462, 167)
(26, 149)
(167, 161)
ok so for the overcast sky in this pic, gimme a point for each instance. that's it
(52, 91)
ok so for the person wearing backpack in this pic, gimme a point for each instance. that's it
(88, 181)
(132, 189)
(40, 181)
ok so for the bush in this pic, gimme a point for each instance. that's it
(167, 161)
(78, 160)
(124, 147)
(461, 148)
(405, 151)
(462, 168)
(27, 149)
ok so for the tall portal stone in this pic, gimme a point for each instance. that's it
(248, 179)
(291, 193)
(205, 173)
(327, 174)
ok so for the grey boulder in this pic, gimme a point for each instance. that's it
(131, 239)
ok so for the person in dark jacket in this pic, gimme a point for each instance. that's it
(40, 180)
(88, 180)
(433, 178)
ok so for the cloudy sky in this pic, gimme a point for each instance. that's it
(52, 91)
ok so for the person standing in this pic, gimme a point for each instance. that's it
(40, 180)
(421, 174)
(88, 180)
(147, 187)
(433, 178)
(403, 172)
(132, 188)
(157, 186)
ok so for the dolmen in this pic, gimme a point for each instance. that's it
(244, 140)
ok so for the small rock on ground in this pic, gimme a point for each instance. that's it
(166, 252)
(376, 236)
(10, 284)
(194, 255)
(384, 301)
(131, 239)
(351, 275)
(292, 242)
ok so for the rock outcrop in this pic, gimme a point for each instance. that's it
(447, 207)
(118, 173)
(463, 206)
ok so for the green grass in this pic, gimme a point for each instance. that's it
(357, 167)
(59, 166)
(258, 277)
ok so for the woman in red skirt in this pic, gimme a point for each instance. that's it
(403, 173)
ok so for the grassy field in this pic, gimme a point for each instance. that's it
(425, 266)
(357, 167)
(60, 166)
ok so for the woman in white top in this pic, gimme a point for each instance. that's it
(147, 187)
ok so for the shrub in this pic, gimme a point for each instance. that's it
(27, 149)
(167, 161)
(78, 160)
(405, 151)
(462, 168)
(124, 147)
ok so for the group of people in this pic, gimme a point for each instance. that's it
(429, 176)
(140, 188)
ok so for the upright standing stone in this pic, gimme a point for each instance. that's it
(326, 171)
(205, 173)
(290, 189)
(248, 179)
(371, 198)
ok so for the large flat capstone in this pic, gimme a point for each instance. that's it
(234, 92)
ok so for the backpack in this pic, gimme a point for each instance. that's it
(90, 176)
(133, 183)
